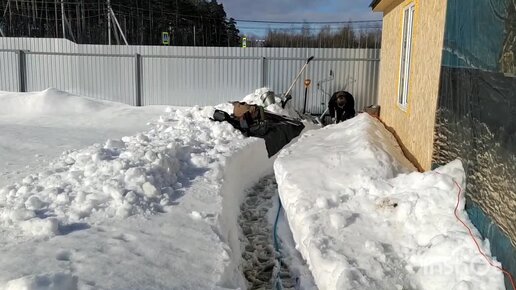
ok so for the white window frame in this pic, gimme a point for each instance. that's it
(406, 53)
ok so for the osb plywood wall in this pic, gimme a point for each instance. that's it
(415, 126)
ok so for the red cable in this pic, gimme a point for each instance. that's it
(473, 237)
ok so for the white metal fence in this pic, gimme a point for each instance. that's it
(183, 76)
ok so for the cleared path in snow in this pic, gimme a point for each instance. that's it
(259, 264)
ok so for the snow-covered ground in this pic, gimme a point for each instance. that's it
(363, 218)
(158, 208)
(155, 210)
(37, 127)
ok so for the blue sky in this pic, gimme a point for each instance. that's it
(297, 10)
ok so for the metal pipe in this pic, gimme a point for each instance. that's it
(138, 79)
(326, 59)
(74, 54)
(202, 57)
(22, 72)
(304, 106)
(308, 82)
(55, 15)
(109, 21)
(118, 25)
(63, 18)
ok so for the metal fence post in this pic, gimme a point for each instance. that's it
(264, 71)
(138, 79)
(22, 71)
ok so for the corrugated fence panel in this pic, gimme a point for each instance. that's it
(9, 71)
(51, 71)
(38, 44)
(110, 78)
(281, 73)
(102, 77)
(186, 76)
(188, 81)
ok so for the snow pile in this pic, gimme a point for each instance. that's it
(51, 101)
(256, 98)
(39, 126)
(364, 219)
(156, 210)
(58, 281)
(134, 175)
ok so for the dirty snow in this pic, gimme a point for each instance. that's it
(363, 218)
(261, 264)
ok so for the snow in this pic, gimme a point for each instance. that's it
(37, 127)
(363, 218)
(99, 195)
(255, 98)
(153, 210)
(51, 282)
(289, 254)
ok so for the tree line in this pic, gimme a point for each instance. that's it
(188, 22)
(326, 37)
(142, 22)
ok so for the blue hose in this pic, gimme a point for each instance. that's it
(278, 283)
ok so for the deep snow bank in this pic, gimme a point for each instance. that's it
(364, 219)
(157, 210)
(51, 101)
(37, 127)
(134, 175)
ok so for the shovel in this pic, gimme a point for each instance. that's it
(286, 97)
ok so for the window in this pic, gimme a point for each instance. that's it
(406, 51)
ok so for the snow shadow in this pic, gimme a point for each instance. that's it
(74, 227)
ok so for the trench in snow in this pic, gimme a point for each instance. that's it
(260, 263)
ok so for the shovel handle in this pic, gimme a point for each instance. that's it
(298, 75)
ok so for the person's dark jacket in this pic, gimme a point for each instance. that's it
(345, 113)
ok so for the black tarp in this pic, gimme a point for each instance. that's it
(276, 130)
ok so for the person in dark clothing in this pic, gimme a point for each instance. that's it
(341, 106)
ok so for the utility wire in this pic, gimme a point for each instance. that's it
(309, 22)
(168, 12)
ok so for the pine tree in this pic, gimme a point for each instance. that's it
(142, 21)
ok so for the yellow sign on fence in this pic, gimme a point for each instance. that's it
(165, 38)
